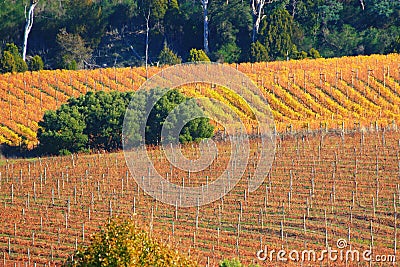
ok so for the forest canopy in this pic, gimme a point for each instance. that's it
(114, 32)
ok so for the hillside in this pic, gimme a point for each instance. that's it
(321, 188)
(349, 92)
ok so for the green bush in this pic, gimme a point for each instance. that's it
(167, 105)
(20, 64)
(11, 60)
(197, 55)
(36, 63)
(231, 263)
(7, 63)
(258, 52)
(68, 64)
(122, 243)
(62, 131)
(95, 121)
(168, 57)
(234, 263)
(228, 53)
(299, 54)
(314, 53)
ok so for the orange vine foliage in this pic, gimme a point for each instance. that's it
(361, 91)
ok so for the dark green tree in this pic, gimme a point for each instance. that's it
(90, 121)
(11, 19)
(19, 62)
(346, 40)
(276, 34)
(228, 53)
(230, 29)
(173, 25)
(7, 63)
(314, 53)
(11, 60)
(258, 52)
(168, 57)
(103, 113)
(95, 120)
(119, 14)
(86, 19)
(62, 130)
(169, 104)
(396, 45)
(36, 63)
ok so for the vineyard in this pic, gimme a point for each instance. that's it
(335, 175)
(321, 188)
(348, 92)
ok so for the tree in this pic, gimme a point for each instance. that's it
(11, 19)
(62, 130)
(258, 52)
(277, 32)
(11, 60)
(169, 104)
(28, 26)
(173, 25)
(168, 57)
(384, 8)
(314, 53)
(395, 47)
(257, 8)
(86, 19)
(90, 121)
(122, 243)
(229, 53)
(36, 63)
(7, 63)
(204, 5)
(120, 14)
(230, 30)
(72, 50)
(346, 40)
(196, 55)
(95, 120)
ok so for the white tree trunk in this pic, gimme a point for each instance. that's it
(362, 4)
(28, 26)
(294, 6)
(257, 7)
(204, 4)
(147, 42)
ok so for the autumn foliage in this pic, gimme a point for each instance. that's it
(350, 92)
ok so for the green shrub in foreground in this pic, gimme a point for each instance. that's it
(121, 243)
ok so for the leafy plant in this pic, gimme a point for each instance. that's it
(171, 104)
(258, 52)
(36, 63)
(168, 57)
(122, 243)
(11, 60)
(228, 53)
(196, 55)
